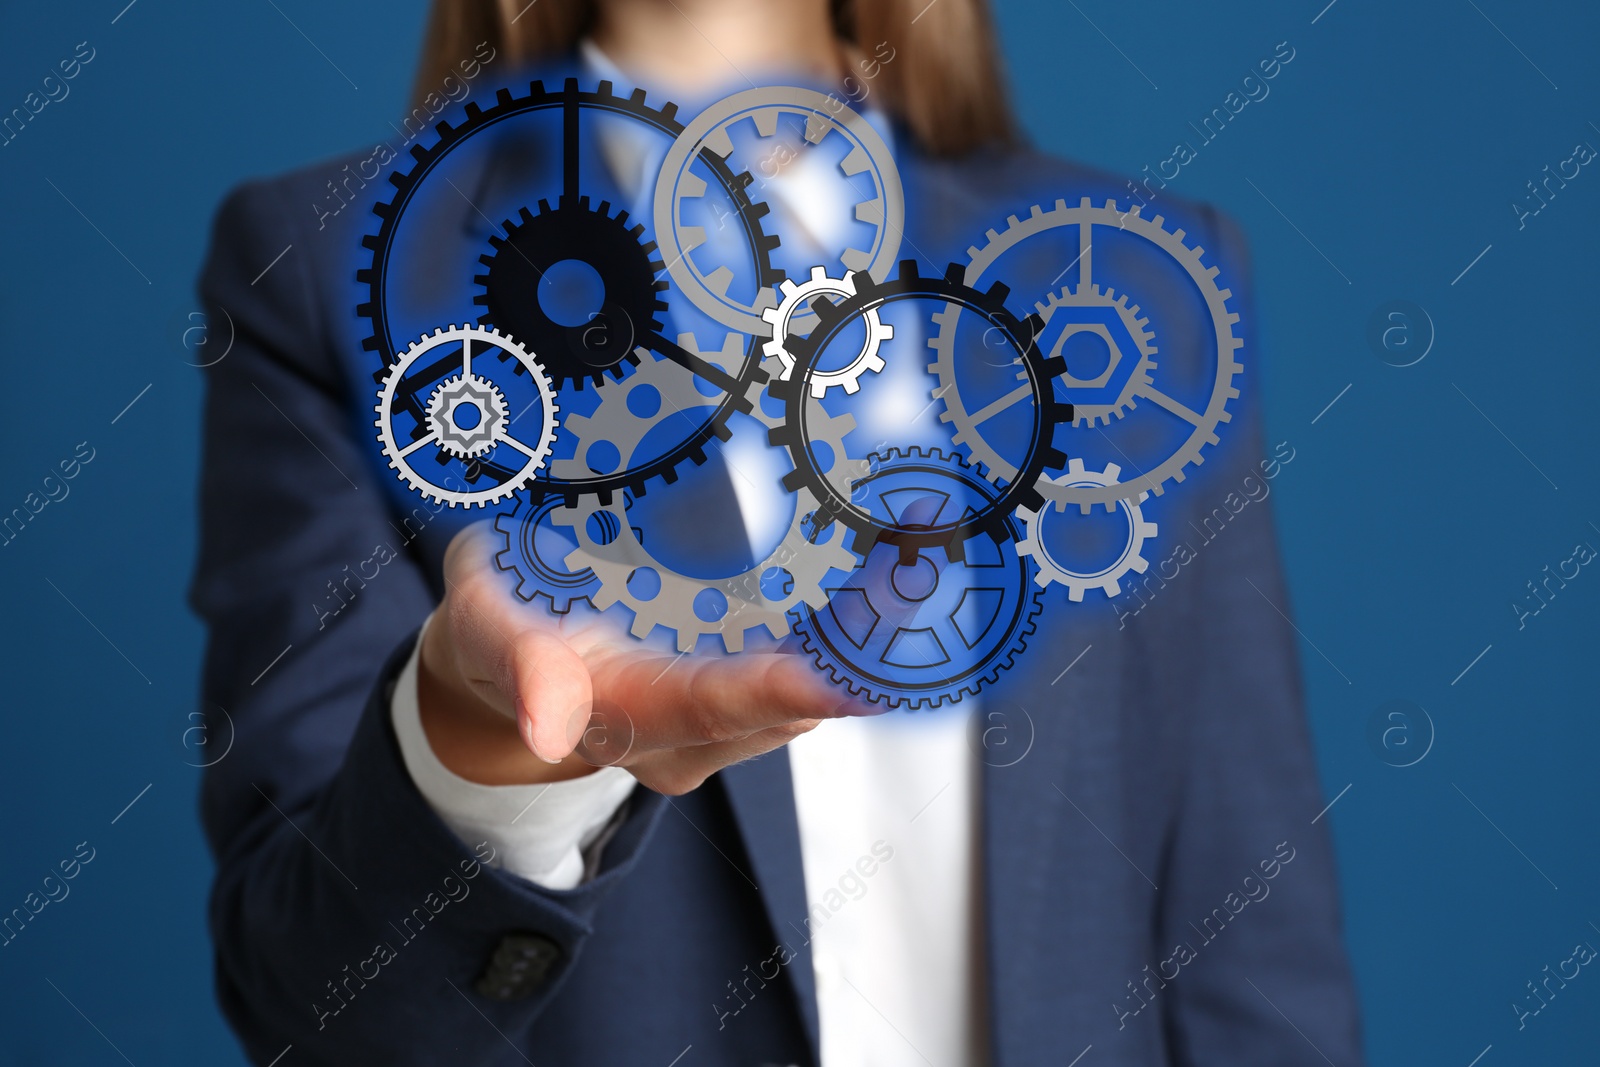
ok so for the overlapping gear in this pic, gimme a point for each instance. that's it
(1085, 216)
(880, 573)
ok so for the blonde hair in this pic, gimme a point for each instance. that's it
(944, 82)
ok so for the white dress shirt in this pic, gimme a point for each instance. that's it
(887, 809)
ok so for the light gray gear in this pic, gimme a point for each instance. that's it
(399, 456)
(1138, 328)
(1086, 215)
(883, 207)
(807, 563)
(748, 604)
(484, 397)
(795, 299)
(1108, 579)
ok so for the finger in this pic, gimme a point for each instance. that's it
(554, 695)
(690, 701)
(678, 772)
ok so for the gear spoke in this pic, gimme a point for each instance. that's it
(432, 438)
(1178, 408)
(995, 407)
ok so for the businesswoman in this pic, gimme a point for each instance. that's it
(420, 860)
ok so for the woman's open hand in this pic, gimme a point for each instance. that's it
(510, 694)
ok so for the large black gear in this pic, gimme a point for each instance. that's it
(571, 101)
(836, 503)
(628, 267)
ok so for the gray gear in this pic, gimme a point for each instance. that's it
(1086, 215)
(484, 398)
(1138, 328)
(883, 209)
(806, 563)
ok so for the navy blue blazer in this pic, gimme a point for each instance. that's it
(1154, 885)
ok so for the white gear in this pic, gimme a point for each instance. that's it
(1107, 578)
(399, 456)
(795, 299)
(482, 396)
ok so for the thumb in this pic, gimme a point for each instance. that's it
(554, 694)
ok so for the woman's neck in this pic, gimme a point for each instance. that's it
(687, 46)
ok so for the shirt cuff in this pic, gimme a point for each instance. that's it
(539, 832)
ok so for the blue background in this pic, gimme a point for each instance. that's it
(1395, 141)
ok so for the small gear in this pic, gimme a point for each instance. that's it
(838, 503)
(798, 297)
(419, 367)
(530, 541)
(601, 341)
(1086, 215)
(706, 139)
(1107, 578)
(466, 412)
(1112, 393)
(924, 627)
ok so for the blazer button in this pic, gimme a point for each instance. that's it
(521, 964)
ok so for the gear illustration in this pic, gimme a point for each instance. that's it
(796, 298)
(466, 413)
(1126, 335)
(530, 542)
(572, 104)
(1022, 488)
(1085, 215)
(792, 574)
(761, 596)
(418, 368)
(923, 628)
(706, 138)
(598, 341)
(1108, 578)
(536, 246)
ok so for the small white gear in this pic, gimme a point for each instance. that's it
(792, 305)
(1107, 578)
(533, 455)
(1138, 328)
(445, 409)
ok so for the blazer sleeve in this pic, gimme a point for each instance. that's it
(1249, 881)
(348, 921)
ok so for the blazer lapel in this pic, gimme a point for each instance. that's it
(761, 794)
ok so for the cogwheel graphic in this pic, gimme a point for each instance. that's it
(868, 165)
(530, 542)
(407, 431)
(791, 574)
(1108, 578)
(921, 628)
(537, 245)
(466, 413)
(780, 320)
(1022, 488)
(1126, 334)
(762, 596)
(573, 105)
(1086, 216)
